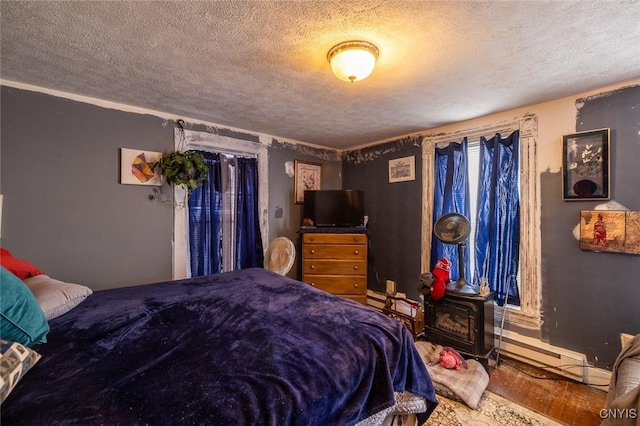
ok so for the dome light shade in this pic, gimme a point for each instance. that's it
(353, 60)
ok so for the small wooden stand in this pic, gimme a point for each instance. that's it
(407, 311)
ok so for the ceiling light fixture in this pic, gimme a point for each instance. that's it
(353, 60)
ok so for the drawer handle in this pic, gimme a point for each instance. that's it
(313, 266)
(355, 267)
(356, 252)
(313, 252)
(355, 285)
(313, 284)
(355, 239)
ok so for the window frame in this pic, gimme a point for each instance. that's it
(528, 314)
(223, 144)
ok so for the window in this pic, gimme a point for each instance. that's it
(529, 313)
(211, 142)
(473, 165)
(228, 212)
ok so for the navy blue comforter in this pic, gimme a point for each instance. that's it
(242, 348)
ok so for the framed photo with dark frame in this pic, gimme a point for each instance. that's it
(306, 176)
(585, 166)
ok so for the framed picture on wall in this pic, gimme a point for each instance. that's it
(137, 167)
(610, 231)
(585, 165)
(402, 169)
(306, 176)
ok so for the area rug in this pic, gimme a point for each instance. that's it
(493, 410)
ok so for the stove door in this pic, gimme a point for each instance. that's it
(451, 322)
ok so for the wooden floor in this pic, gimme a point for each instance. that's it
(563, 400)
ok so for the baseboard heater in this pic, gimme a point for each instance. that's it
(560, 361)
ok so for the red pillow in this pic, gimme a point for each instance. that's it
(18, 267)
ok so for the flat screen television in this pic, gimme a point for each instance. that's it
(334, 207)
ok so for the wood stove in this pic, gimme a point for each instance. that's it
(463, 322)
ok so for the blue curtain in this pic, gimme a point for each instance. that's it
(248, 238)
(451, 195)
(498, 224)
(205, 206)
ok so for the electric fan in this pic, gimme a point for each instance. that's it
(280, 256)
(454, 228)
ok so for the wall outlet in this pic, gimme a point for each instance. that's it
(391, 287)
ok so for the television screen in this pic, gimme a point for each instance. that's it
(339, 207)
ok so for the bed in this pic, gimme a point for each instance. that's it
(245, 347)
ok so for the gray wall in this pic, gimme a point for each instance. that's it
(285, 216)
(394, 211)
(588, 298)
(65, 210)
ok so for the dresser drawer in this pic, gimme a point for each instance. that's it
(334, 267)
(334, 238)
(334, 251)
(338, 284)
(336, 263)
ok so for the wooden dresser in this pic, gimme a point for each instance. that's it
(336, 263)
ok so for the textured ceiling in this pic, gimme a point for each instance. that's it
(261, 65)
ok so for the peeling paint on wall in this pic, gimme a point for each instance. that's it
(289, 168)
(219, 131)
(306, 150)
(368, 154)
(580, 102)
(237, 135)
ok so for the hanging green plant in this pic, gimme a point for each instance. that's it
(184, 168)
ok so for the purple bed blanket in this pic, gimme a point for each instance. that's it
(244, 348)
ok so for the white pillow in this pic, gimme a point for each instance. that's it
(56, 297)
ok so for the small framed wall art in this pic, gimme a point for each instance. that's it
(610, 231)
(137, 167)
(402, 169)
(306, 176)
(585, 165)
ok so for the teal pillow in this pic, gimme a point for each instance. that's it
(21, 317)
